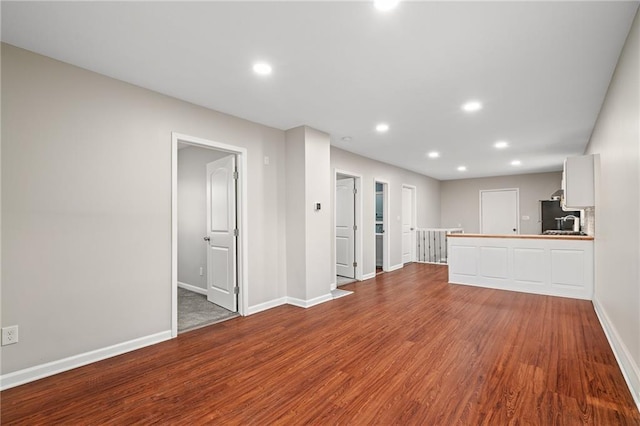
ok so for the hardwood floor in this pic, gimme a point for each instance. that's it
(406, 348)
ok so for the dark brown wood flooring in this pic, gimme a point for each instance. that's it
(406, 348)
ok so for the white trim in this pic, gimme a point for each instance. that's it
(266, 305)
(309, 303)
(500, 190)
(396, 267)
(50, 368)
(359, 232)
(386, 237)
(630, 370)
(192, 288)
(368, 276)
(243, 220)
(334, 285)
(414, 219)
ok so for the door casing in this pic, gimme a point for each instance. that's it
(516, 212)
(345, 210)
(359, 232)
(242, 220)
(413, 215)
(385, 225)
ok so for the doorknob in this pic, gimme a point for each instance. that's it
(207, 239)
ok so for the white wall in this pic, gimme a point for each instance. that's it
(428, 202)
(86, 207)
(616, 137)
(296, 218)
(318, 223)
(460, 199)
(192, 213)
(309, 268)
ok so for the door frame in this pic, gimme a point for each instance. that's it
(517, 190)
(385, 224)
(358, 221)
(241, 213)
(414, 219)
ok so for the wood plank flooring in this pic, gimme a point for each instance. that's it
(407, 348)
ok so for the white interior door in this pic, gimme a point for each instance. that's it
(345, 223)
(221, 238)
(408, 225)
(499, 211)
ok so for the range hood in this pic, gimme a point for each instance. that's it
(557, 195)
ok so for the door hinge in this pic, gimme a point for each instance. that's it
(236, 232)
(355, 227)
(355, 191)
(355, 264)
(235, 175)
(236, 290)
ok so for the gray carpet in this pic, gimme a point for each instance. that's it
(195, 311)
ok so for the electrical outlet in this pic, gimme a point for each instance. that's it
(9, 335)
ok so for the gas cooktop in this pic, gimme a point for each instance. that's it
(562, 232)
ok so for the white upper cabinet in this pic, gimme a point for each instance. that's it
(578, 182)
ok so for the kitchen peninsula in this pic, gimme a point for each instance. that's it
(555, 265)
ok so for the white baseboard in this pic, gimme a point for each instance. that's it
(629, 368)
(309, 303)
(334, 286)
(395, 267)
(49, 369)
(266, 305)
(368, 276)
(192, 288)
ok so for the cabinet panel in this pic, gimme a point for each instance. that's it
(578, 180)
(528, 265)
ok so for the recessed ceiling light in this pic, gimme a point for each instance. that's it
(516, 162)
(462, 169)
(346, 139)
(262, 68)
(382, 127)
(385, 5)
(501, 144)
(472, 106)
(434, 154)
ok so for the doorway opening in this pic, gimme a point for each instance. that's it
(207, 245)
(381, 221)
(348, 235)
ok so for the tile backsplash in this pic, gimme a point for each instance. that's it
(589, 221)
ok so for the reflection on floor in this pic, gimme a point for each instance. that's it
(195, 311)
(340, 280)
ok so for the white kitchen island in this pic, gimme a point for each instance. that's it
(555, 265)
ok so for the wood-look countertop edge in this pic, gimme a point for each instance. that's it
(524, 236)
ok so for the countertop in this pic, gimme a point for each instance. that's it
(524, 236)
